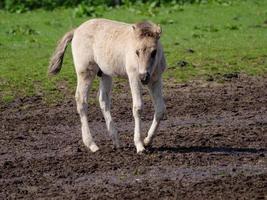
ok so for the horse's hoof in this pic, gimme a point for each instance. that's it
(94, 148)
(147, 142)
(145, 151)
(140, 150)
(116, 145)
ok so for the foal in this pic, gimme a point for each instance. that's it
(109, 48)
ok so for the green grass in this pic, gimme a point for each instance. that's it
(224, 39)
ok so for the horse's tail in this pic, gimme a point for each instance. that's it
(57, 58)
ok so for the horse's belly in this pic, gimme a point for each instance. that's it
(118, 71)
(112, 67)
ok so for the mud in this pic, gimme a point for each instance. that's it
(213, 145)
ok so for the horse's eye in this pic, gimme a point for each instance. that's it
(137, 53)
(153, 53)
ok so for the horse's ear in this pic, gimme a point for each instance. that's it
(134, 27)
(158, 31)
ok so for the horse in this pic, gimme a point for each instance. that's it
(109, 48)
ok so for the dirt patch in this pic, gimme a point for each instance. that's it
(212, 146)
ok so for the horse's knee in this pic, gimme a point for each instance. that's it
(81, 105)
(137, 109)
(82, 108)
(102, 104)
(161, 113)
(103, 101)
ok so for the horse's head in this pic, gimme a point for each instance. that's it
(146, 50)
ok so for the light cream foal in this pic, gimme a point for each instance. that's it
(109, 48)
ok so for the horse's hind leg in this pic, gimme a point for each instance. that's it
(85, 79)
(104, 101)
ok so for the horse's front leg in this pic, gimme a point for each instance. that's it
(137, 110)
(155, 90)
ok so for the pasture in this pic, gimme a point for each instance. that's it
(213, 144)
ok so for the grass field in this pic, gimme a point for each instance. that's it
(206, 41)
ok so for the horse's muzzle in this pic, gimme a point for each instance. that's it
(145, 78)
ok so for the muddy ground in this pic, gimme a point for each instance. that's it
(212, 146)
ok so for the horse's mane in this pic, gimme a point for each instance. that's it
(146, 29)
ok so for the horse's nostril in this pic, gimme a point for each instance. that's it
(145, 78)
(147, 75)
(142, 76)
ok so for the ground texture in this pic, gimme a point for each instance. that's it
(213, 145)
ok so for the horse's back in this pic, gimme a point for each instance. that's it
(101, 28)
(104, 42)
